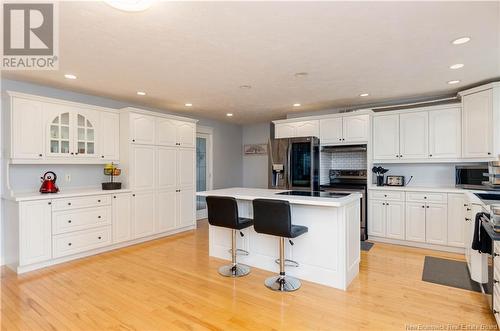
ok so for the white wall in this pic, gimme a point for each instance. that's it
(255, 167)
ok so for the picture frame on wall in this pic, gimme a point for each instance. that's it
(255, 149)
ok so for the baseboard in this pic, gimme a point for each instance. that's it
(450, 249)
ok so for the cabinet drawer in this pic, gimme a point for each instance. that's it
(80, 219)
(81, 241)
(427, 197)
(81, 202)
(387, 195)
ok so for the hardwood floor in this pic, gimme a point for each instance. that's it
(172, 284)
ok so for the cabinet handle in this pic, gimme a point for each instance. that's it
(468, 209)
(99, 216)
(495, 281)
(133, 140)
(40, 155)
(340, 139)
(99, 200)
(383, 203)
(133, 195)
(49, 203)
(496, 254)
(400, 155)
(465, 205)
(114, 196)
(72, 153)
(387, 204)
(430, 155)
(425, 197)
(397, 155)
(427, 207)
(69, 244)
(69, 203)
(385, 195)
(495, 311)
(99, 237)
(102, 156)
(489, 153)
(69, 221)
(467, 219)
(76, 153)
(423, 206)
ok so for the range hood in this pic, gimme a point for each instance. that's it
(343, 148)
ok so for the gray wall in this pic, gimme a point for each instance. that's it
(227, 142)
(255, 167)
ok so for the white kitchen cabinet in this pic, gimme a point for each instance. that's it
(436, 223)
(456, 220)
(186, 208)
(109, 136)
(35, 231)
(167, 167)
(395, 220)
(445, 127)
(477, 124)
(142, 167)
(284, 130)
(376, 223)
(415, 221)
(186, 163)
(186, 134)
(331, 130)
(355, 128)
(167, 210)
(142, 128)
(143, 210)
(297, 129)
(166, 131)
(28, 129)
(386, 137)
(122, 217)
(80, 241)
(414, 135)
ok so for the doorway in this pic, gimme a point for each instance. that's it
(203, 168)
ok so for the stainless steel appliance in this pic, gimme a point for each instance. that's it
(395, 181)
(348, 181)
(470, 176)
(294, 164)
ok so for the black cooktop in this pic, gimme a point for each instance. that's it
(319, 194)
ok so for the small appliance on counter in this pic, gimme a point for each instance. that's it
(471, 176)
(49, 183)
(111, 170)
(395, 181)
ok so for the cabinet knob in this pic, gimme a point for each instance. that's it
(430, 155)
(49, 203)
(489, 153)
(495, 311)
(133, 195)
(496, 254)
(99, 237)
(69, 244)
(99, 216)
(99, 200)
(72, 153)
(425, 197)
(69, 203)
(465, 205)
(133, 140)
(423, 206)
(69, 221)
(387, 204)
(400, 155)
(385, 195)
(343, 139)
(102, 156)
(495, 281)
(383, 203)
(427, 207)
(468, 209)
(114, 196)
(397, 155)
(40, 155)
(76, 153)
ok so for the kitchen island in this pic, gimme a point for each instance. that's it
(328, 254)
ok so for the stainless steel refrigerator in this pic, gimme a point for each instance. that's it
(294, 164)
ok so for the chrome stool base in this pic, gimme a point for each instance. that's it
(282, 283)
(237, 270)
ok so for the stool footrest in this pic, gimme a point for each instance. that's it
(288, 263)
(238, 251)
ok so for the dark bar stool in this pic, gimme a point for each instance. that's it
(223, 211)
(273, 217)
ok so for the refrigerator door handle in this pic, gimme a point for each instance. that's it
(289, 167)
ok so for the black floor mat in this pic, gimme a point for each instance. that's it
(449, 273)
(366, 245)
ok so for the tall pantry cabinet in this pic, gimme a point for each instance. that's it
(157, 156)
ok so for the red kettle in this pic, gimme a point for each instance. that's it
(49, 183)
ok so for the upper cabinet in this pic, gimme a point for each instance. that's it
(386, 137)
(445, 133)
(293, 129)
(44, 130)
(142, 128)
(344, 129)
(170, 132)
(414, 135)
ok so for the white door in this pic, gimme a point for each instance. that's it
(307, 128)
(376, 218)
(143, 213)
(330, 130)
(109, 136)
(185, 207)
(284, 130)
(142, 167)
(166, 207)
(355, 128)
(203, 170)
(445, 128)
(27, 129)
(436, 223)
(415, 221)
(142, 128)
(35, 231)
(456, 217)
(477, 121)
(395, 220)
(122, 217)
(166, 131)
(386, 137)
(186, 134)
(167, 167)
(414, 135)
(186, 167)
(86, 124)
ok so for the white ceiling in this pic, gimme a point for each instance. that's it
(201, 52)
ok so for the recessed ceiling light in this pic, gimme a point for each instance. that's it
(188, 104)
(297, 105)
(245, 86)
(70, 76)
(130, 5)
(364, 95)
(461, 40)
(229, 114)
(457, 66)
(301, 74)
(451, 82)
(141, 93)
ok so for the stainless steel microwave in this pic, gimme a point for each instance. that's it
(470, 175)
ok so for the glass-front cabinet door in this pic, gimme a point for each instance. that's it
(60, 135)
(85, 137)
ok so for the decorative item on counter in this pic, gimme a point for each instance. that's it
(379, 172)
(49, 183)
(111, 170)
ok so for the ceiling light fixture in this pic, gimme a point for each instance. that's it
(451, 82)
(141, 93)
(461, 40)
(188, 104)
(130, 5)
(301, 74)
(364, 95)
(297, 105)
(456, 66)
(69, 76)
(245, 86)
(229, 114)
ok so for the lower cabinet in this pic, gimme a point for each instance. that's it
(186, 211)
(386, 219)
(35, 231)
(143, 214)
(376, 219)
(81, 241)
(122, 217)
(457, 206)
(436, 223)
(167, 210)
(415, 221)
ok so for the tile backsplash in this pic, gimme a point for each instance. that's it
(340, 160)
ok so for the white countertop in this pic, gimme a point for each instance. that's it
(69, 193)
(242, 193)
(444, 189)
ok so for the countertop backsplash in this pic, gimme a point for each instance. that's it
(432, 175)
(340, 160)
